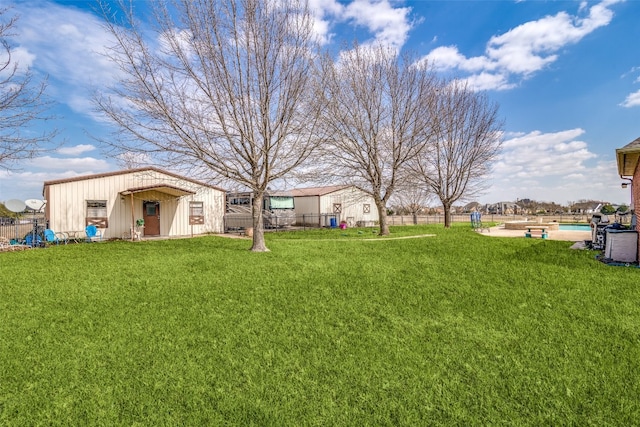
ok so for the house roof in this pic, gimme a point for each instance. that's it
(167, 189)
(628, 157)
(317, 191)
(128, 171)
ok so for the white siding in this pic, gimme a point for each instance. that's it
(351, 200)
(66, 203)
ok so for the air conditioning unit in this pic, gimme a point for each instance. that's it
(621, 245)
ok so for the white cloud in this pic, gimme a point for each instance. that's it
(390, 25)
(326, 7)
(488, 81)
(76, 149)
(324, 11)
(21, 185)
(76, 164)
(525, 49)
(632, 100)
(68, 45)
(541, 140)
(21, 58)
(28, 183)
(322, 29)
(553, 167)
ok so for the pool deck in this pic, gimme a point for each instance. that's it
(570, 236)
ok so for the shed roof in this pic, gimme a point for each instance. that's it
(317, 191)
(628, 157)
(128, 171)
(171, 190)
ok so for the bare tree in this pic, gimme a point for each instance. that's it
(226, 90)
(466, 139)
(22, 103)
(378, 116)
(412, 198)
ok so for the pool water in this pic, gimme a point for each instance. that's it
(575, 227)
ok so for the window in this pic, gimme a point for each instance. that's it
(243, 201)
(151, 208)
(281, 202)
(337, 208)
(366, 208)
(97, 213)
(196, 213)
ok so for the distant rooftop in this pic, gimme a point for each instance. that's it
(316, 191)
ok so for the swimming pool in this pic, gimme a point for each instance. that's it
(575, 227)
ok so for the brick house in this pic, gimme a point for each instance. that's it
(629, 168)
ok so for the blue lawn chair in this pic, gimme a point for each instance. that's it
(29, 240)
(93, 233)
(52, 237)
(476, 222)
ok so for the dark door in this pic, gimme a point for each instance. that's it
(151, 218)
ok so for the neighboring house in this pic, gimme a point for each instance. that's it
(169, 204)
(318, 205)
(629, 168)
(594, 209)
(588, 207)
(472, 207)
(503, 208)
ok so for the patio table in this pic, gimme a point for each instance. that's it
(75, 236)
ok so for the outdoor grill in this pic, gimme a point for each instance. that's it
(599, 223)
(618, 243)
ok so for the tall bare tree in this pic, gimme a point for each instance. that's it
(466, 139)
(22, 103)
(378, 115)
(225, 88)
(411, 198)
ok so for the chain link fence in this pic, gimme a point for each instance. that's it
(18, 229)
(486, 218)
(333, 220)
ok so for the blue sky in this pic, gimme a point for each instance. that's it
(566, 75)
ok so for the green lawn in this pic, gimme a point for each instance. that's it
(329, 328)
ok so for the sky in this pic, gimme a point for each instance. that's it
(566, 75)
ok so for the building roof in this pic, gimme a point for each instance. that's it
(317, 191)
(628, 157)
(172, 190)
(128, 171)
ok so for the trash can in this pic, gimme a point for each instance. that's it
(333, 222)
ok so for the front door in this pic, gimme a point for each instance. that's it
(151, 218)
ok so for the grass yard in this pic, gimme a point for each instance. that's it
(330, 328)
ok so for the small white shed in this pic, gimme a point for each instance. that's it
(168, 204)
(317, 205)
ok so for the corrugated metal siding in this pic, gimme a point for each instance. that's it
(352, 201)
(306, 205)
(67, 204)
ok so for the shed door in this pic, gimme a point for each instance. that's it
(151, 218)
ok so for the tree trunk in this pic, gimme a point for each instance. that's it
(382, 217)
(447, 215)
(258, 226)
